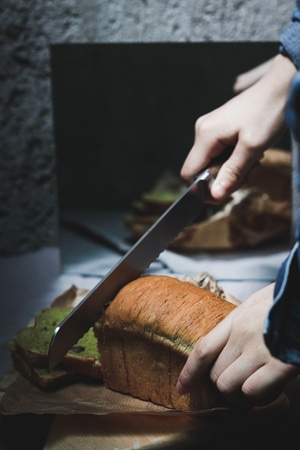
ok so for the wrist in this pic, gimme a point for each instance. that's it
(281, 73)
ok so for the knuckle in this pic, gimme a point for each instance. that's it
(232, 392)
(251, 144)
(233, 173)
(247, 140)
(203, 126)
(201, 350)
(223, 386)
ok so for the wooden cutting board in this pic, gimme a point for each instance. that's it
(135, 431)
(122, 431)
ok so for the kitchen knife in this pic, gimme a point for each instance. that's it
(157, 238)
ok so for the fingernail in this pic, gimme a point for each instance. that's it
(180, 388)
(218, 190)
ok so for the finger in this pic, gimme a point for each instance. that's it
(205, 147)
(235, 171)
(246, 383)
(230, 378)
(202, 356)
(252, 172)
(198, 159)
(268, 382)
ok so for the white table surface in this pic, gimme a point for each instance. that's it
(91, 243)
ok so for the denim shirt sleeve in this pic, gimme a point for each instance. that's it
(290, 38)
(282, 328)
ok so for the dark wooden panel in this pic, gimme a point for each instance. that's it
(125, 112)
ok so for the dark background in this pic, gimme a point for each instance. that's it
(123, 113)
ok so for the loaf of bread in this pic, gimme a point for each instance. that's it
(146, 334)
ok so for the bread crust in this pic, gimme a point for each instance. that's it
(147, 333)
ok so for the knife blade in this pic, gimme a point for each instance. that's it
(157, 238)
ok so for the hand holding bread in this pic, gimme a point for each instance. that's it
(147, 333)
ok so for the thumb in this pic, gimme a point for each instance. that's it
(238, 169)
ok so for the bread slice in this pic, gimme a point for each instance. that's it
(29, 351)
(83, 357)
(39, 376)
(43, 379)
(146, 334)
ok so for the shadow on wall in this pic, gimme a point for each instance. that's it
(123, 113)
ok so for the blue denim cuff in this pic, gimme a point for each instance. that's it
(282, 328)
(290, 39)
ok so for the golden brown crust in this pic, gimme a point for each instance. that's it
(165, 309)
(147, 333)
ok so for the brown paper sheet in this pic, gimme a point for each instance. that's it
(20, 396)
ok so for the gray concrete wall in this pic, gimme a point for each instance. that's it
(28, 197)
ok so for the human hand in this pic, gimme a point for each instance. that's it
(236, 356)
(250, 123)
